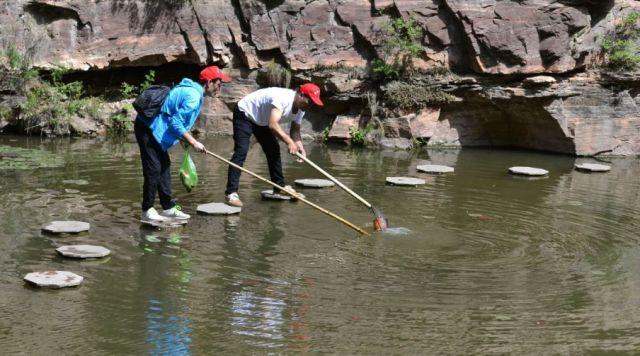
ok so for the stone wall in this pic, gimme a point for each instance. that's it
(529, 68)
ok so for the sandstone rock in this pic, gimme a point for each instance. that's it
(341, 128)
(424, 124)
(540, 80)
(396, 143)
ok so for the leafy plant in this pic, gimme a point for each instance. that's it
(407, 96)
(358, 135)
(120, 124)
(277, 75)
(130, 91)
(620, 47)
(325, 134)
(401, 46)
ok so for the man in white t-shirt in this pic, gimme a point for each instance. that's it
(261, 113)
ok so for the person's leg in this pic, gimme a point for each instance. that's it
(271, 149)
(151, 166)
(242, 131)
(164, 187)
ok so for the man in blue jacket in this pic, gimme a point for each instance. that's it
(179, 112)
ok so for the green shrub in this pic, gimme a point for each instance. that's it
(401, 46)
(325, 134)
(277, 75)
(120, 124)
(358, 135)
(620, 47)
(407, 96)
(130, 91)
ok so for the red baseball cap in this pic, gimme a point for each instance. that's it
(213, 73)
(312, 91)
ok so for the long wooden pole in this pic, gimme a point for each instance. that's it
(304, 158)
(294, 194)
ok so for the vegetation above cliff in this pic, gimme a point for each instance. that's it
(621, 47)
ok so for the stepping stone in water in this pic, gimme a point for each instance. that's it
(314, 183)
(408, 181)
(217, 209)
(54, 279)
(434, 168)
(165, 224)
(66, 227)
(83, 251)
(269, 195)
(528, 171)
(593, 167)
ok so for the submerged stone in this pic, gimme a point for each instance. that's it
(434, 168)
(54, 279)
(314, 183)
(83, 251)
(217, 209)
(528, 171)
(593, 167)
(66, 227)
(408, 181)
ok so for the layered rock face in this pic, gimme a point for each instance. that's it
(528, 65)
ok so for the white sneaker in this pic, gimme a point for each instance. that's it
(233, 199)
(175, 213)
(152, 215)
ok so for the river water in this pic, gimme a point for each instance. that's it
(480, 262)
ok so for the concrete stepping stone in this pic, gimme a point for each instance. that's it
(83, 251)
(314, 183)
(592, 167)
(66, 227)
(171, 223)
(434, 168)
(405, 181)
(217, 209)
(54, 279)
(528, 171)
(269, 195)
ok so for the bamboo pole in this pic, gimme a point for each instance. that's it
(304, 158)
(294, 194)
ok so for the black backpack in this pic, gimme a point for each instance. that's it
(149, 103)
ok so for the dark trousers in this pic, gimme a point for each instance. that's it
(243, 128)
(156, 166)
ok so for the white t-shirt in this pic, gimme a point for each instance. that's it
(258, 105)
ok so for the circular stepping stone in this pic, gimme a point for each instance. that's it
(83, 251)
(54, 279)
(269, 195)
(408, 181)
(434, 168)
(528, 171)
(217, 209)
(66, 227)
(314, 183)
(593, 167)
(165, 224)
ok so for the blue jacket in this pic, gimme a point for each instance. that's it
(179, 112)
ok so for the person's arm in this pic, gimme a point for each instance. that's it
(274, 126)
(294, 132)
(177, 121)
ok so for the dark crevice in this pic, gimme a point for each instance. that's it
(205, 34)
(461, 46)
(46, 13)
